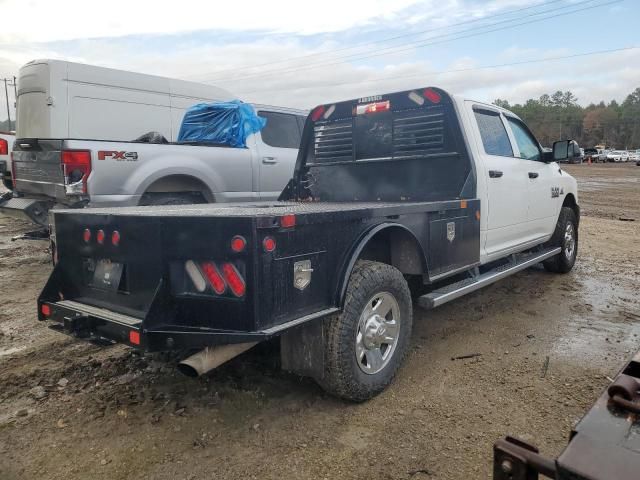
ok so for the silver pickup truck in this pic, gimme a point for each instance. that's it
(76, 173)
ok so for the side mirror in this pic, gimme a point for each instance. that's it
(561, 150)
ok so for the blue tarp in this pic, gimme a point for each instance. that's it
(226, 123)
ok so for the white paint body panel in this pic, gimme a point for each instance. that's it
(517, 212)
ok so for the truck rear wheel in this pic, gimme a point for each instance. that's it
(364, 345)
(565, 237)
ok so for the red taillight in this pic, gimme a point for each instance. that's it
(269, 244)
(432, 95)
(134, 337)
(234, 280)
(288, 221)
(4, 147)
(86, 235)
(115, 238)
(214, 277)
(375, 107)
(317, 113)
(100, 237)
(45, 310)
(76, 165)
(238, 244)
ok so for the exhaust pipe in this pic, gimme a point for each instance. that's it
(211, 357)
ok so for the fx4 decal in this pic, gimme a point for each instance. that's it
(119, 156)
(556, 192)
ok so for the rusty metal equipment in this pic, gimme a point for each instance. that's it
(604, 445)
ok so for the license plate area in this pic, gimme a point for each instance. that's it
(104, 274)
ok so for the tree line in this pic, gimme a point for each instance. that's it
(559, 117)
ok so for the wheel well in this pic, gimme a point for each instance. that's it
(398, 247)
(180, 183)
(570, 201)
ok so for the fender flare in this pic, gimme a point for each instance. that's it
(357, 249)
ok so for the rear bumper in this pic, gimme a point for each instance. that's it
(36, 211)
(105, 327)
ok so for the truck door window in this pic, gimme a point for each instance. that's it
(494, 135)
(527, 144)
(282, 130)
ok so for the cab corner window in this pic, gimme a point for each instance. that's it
(528, 146)
(494, 136)
(281, 131)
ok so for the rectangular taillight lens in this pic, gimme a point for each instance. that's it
(4, 147)
(76, 165)
(209, 278)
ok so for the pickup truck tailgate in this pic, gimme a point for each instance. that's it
(37, 168)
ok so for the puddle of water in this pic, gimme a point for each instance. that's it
(602, 321)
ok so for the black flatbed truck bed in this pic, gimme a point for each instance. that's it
(383, 195)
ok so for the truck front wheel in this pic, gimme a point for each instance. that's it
(364, 345)
(565, 237)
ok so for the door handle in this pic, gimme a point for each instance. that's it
(533, 174)
(495, 173)
(269, 160)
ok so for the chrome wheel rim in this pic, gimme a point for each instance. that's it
(569, 242)
(378, 333)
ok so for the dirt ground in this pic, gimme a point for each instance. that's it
(70, 410)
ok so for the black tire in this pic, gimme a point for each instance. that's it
(8, 183)
(344, 375)
(564, 261)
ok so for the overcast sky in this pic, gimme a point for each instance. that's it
(297, 53)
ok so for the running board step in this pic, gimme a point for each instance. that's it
(458, 289)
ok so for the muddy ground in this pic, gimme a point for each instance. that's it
(546, 345)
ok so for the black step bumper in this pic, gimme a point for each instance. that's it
(36, 211)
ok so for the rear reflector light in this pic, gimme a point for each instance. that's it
(115, 238)
(238, 243)
(100, 237)
(269, 244)
(234, 280)
(432, 95)
(45, 309)
(76, 165)
(86, 235)
(375, 107)
(317, 113)
(215, 279)
(414, 97)
(134, 337)
(288, 221)
(4, 147)
(195, 275)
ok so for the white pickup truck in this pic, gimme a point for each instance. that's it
(414, 188)
(62, 107)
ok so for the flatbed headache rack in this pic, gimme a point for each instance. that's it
(604, 445)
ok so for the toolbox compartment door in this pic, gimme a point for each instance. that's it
(297, 292)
